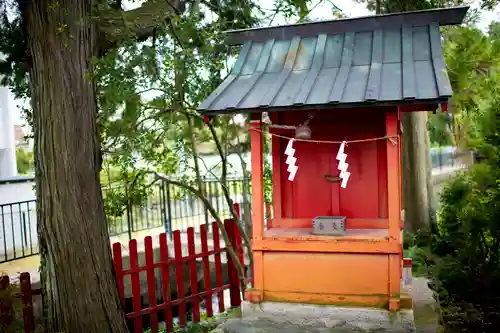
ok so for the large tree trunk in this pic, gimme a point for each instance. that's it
(418, 195)
(417, 186)
(80, 293)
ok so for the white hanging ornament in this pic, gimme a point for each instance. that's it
(342, 157)
(290, 160)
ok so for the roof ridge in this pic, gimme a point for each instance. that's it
(442, 16)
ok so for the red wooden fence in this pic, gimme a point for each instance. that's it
(178, 261)
(8, 295)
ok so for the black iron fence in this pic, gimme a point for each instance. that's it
(18, 236)
(166, 208)
(449, 157)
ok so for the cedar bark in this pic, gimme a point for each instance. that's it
(80, 292)
(418, 196)
(417, 186)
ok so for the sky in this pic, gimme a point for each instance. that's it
(323, 12)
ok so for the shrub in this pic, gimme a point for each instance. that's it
(467, 245)
(25, 161)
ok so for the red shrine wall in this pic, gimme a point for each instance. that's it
(311, 194)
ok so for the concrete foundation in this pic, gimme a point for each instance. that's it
(270, 317)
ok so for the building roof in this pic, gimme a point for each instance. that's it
(379, 60)
(18, 132)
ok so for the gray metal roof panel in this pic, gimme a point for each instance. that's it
(441, 16)
(382, 65)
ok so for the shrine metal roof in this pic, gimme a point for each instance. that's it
(377, 60)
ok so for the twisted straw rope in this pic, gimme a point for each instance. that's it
(387, 137)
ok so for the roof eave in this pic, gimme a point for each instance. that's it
(431, 103)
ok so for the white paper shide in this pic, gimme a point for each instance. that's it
(291, 160)
(342, 157)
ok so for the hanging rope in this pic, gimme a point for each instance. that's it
(387, 137)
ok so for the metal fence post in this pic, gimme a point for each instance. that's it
(130, 222)
(24, 229)
(169, 213)
(163, 210)
(440, 155)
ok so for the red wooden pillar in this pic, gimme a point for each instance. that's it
(6, 308)
(235, 238)
(394, 206)
(257, 207)
(27, 299)
(277, 206)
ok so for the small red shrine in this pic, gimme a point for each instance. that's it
(321, 84)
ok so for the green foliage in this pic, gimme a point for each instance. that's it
(438, 126)
(13, 307)
(417, 247)
(130, 189)
(466, 246)
(268, 182)
(472, 59)
(419, 257)
(207, 324)
(467, 272)
(148, 91)
(394, 6)
(25, 161)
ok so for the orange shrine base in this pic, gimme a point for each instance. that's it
(360, 268)
(275, 317)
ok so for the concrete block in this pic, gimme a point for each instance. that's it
(295, 317)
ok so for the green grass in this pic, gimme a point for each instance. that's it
(206, 325)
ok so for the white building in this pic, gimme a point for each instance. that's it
(8, 166)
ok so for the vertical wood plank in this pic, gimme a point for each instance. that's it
(218, 265)
(27, 299)
(234, 290)
(6, 309)
(276, 155)
(269, 219)
(118, 266)
(394, 209)
(257, 180)
(382, 178)
(148, 245)
(136, 284)
(238, 247)
(400, 176)
(237, 209)
(395, 270)
(238, 244)
(165, 279)
(179, 277)
(393, 186)
(206, 270)
(193, 276)
(257, 200)
(334, 187)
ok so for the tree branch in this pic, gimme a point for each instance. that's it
(229, 246)
(246, 238)
(117, 26)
